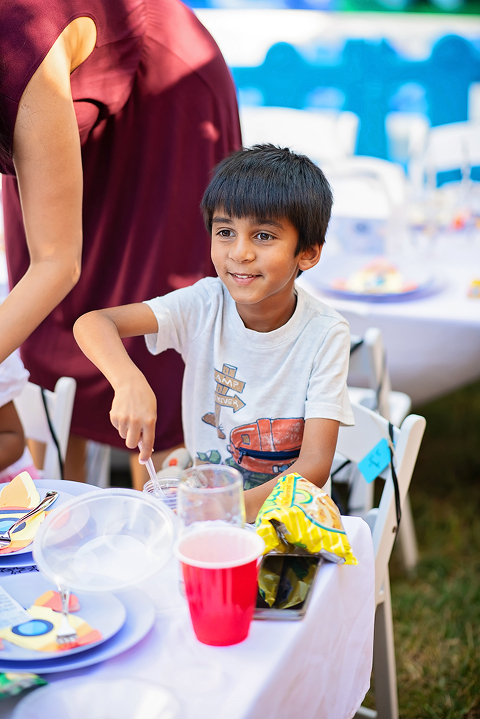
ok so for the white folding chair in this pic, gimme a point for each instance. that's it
(51, 427)
(322, 135)
(368, 213)
(368, 366)
(355, 443)
(453, 146)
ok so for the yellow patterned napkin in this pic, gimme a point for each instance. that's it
(16, 498)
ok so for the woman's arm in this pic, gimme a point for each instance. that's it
(12, 440)
(314, 462)
(47, 159)
(99, 335)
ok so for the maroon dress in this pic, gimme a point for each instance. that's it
(156, 110)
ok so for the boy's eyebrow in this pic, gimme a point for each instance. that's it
(259, 221)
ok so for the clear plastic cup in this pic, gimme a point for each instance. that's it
(210, 493)
(164, 489)
(220, 569)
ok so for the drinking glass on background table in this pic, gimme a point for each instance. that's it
(210, 493)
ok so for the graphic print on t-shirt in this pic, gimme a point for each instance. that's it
(267, 446)
(225, 381)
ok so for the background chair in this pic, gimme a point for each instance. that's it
(368, 214)
(35, 420)
(355, 443)
(453, 146)
(368, 366)
(322, 135)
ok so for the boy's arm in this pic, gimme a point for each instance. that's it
(12, 441)
(314, 462)
(99, 335)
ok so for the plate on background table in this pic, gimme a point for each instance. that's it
(104, 612)
(139, 620)
(373, 279)
(67, 490)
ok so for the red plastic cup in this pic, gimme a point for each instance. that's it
(220, 569)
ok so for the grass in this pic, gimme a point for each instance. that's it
(437, 611)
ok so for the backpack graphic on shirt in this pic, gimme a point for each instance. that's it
(268, 446)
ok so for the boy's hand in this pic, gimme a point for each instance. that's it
(134, 414)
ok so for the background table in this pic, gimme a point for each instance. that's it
(432, 344)
(317, 667)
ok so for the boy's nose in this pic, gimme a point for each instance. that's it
(242, 250)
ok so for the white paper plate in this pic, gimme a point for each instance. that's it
(104, 612)
(139, 620)
(80, 697)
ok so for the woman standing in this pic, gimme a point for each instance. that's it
(113, 113)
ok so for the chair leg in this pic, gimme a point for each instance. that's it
(384, 668)
(407, 538)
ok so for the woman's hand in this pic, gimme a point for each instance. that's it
(134, 415)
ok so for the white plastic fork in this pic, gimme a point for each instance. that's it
(66, 634)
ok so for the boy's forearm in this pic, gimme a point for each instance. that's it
(310, 468)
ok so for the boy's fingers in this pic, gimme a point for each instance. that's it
(146, 443)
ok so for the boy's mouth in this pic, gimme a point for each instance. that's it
(243, 278)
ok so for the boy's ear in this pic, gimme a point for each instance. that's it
(309, 258)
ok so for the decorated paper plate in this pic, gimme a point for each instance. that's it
(140, 616)
(67, 490)
(98, 618)
(376, 280)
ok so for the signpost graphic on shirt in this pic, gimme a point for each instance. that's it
(226, 380)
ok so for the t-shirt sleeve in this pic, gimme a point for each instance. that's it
(181, 316)
(327, 394)
(13, 378)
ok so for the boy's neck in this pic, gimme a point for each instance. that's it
(266, 319)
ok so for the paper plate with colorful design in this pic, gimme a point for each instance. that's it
(96, 617)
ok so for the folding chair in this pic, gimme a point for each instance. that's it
(368, 365)
(46, 418)
(453, 146)
(320, 134)
(356, 443)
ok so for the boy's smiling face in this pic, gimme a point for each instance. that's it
(255, 258)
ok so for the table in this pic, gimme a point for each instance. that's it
(318, 667)
(432, 344)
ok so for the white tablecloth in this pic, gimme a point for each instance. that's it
(318, 667)
(432, 344)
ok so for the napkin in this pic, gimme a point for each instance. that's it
(40, 632)
(16, 498)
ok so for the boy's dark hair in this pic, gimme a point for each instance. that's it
(269, 182)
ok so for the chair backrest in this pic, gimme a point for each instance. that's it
(368, 363)
(355, 443)
(31, 410)
(452, 146)
(320, 134)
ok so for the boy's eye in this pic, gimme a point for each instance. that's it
(224, 233)
(264, 236)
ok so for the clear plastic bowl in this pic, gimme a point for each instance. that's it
(105, 540)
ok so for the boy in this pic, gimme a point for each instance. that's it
(264, 387)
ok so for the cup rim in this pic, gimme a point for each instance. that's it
(238, 481)
(258, 548)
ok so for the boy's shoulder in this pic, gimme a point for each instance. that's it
(319, 310)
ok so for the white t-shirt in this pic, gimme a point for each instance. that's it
(246, 394)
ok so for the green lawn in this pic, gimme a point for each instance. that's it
(437, 611)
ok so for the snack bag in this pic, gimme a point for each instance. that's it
(300, 514)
